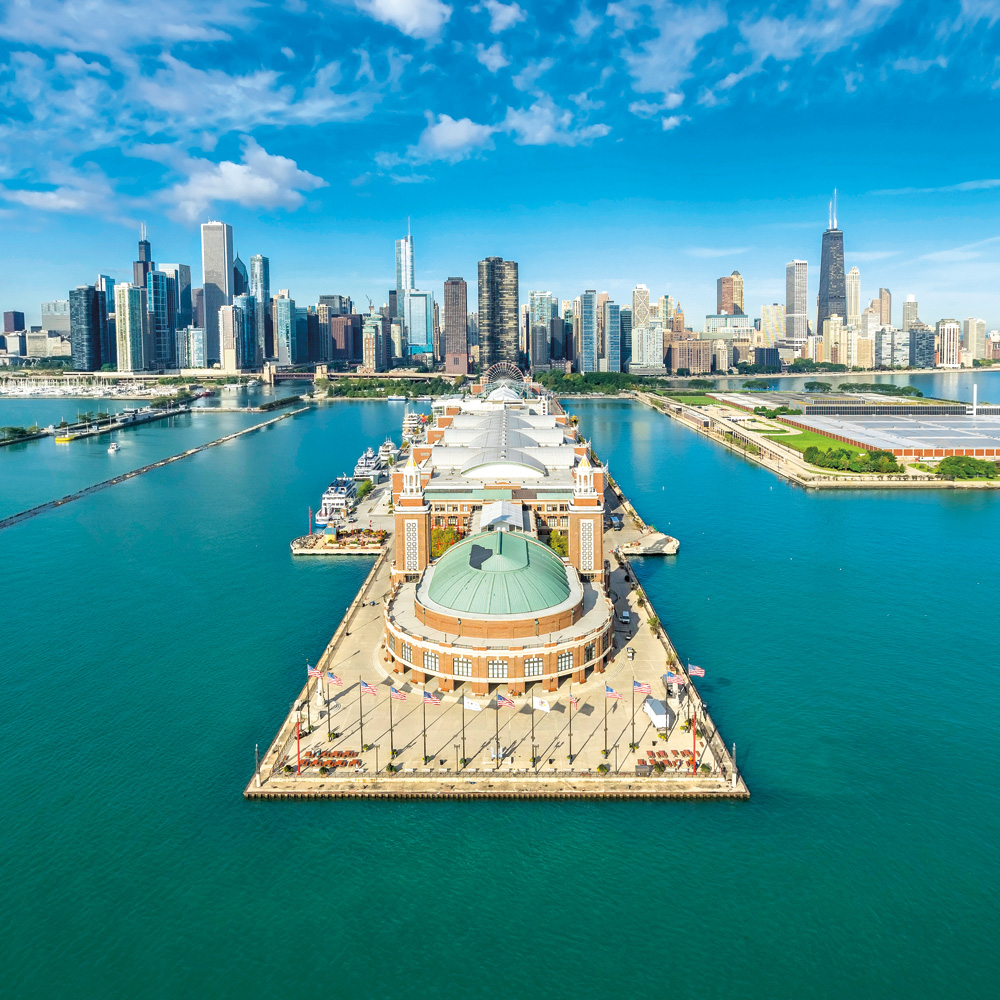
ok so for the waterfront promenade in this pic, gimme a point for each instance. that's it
(541, 753)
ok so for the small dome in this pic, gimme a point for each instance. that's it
(498, 573)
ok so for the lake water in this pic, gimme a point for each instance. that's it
(157, 630)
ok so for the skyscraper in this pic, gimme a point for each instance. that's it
(142, 266)
(405, 272)
(498, 312)
(456, 338)
(949, 355)
(832, 290)
(612, 336)
(181, 273)
(885, 307)
(241, 280)
(974, 336)
(853, 297)
(910, 317)
(88, 321)
(728, 295)
(130, 327)
(419, 319)
(542, 307)
(640, 323)
(588, 331)
(217, 272)
(260, 289)
(13, 322)
(161, 301)
(285, 343)
(625, 324)
(796, 300)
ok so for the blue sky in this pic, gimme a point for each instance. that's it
(597, 144)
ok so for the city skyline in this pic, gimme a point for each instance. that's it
(595, 124)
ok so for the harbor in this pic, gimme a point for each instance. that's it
(621, 717)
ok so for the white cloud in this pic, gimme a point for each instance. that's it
(828, 26)
(87, 192)
(528, 77)
(709, 253)
(545, 124)
(987, 184)
(450, 139)
(585, 23)
(662, 62)
(673, 121)
(416, 18)
(492, 58)
(911, 64)
(287, 52)
(260, 180)
(584, 103)
(625, 16)
(503, 15)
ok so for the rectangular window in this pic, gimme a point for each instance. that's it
(462, 666)
(533, 666)
(452, 522)
(566, 661)
(407, 653)
(430, 661)
(588, 651)
(564, 522)
(392, 642)
(497, 669)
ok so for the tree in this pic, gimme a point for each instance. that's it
(442, 539)
(683, 372)
(818, 387)
(757, 384)
(701, 383)
(559, 543)
(364, 489)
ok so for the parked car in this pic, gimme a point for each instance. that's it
(625, 617)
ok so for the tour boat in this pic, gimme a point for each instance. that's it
(387, 451)
(369, 466)
(396, 399)
(337, 500)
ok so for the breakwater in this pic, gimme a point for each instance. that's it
(24, 515)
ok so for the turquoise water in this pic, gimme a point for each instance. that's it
(156, 630)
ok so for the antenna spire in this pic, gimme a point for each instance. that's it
(407, 227)
(834, 208)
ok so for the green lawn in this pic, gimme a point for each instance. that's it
(695, 400)
(805, 439)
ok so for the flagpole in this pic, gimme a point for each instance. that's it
(633, 707)
(497, 765)
(424, 702)
(329, 731)
(298, 744)
(532, 727)
(392, 742)
(309, 723)
(570, 718)
(694, 739)
(463, 726)
(605, 720)
(361, 715)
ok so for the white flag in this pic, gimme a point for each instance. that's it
(471, 705)
(540, 704)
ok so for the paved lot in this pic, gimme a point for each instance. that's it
(912, 432)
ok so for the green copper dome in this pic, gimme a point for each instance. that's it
(499, 573)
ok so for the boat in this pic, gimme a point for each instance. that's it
(411, 422)
(388, 451)
(337, 500)
(113, 447)
(396, 399)
(369, 466)
(254, 382)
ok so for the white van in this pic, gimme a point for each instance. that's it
(626, 617)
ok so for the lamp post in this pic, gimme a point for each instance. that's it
(534, 756)
(457, 768)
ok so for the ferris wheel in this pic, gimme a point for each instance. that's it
(503, 371)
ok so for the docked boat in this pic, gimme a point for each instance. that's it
(369, 466)
(396, 399)
(388, 452)
(411, 423)
(338, 498)
(254, 382)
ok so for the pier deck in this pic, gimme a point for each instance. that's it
(331, 719)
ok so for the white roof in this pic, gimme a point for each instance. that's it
(501, 513)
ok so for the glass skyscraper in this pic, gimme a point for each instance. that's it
(588, 331)
(88, 327)
(161, 300)
(612, 336)
(832, 281)
(498, 312)
(217, 273)
(260, 289)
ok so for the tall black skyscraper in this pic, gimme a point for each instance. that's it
(832, 284)
(498, 320)
(142, 266)
(88, 327)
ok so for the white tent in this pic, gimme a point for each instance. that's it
(659, 713)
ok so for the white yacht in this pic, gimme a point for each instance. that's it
(337, 500)
(369, 466)
(388, 451)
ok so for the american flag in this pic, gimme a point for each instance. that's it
(367, 688)
(503, 702)
(573, 700)
(671, 678)
(398, 695)
(610, 692)
(431, 699)
(313, 672)
(641, 688)
(334, 679)
(695, 671)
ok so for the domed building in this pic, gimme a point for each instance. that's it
(501, 605)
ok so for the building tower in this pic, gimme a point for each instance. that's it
(910, 317)
(854, 297)
(832, 287)
(405, 273)
(498, 311)
(588, 331)
(241, 280)
(796, 300)
(217, 273)
(260, 289)
(885, 307)
(88, 327)
(142, 266)
(413, 525)
(586, 522)
(456, 335)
